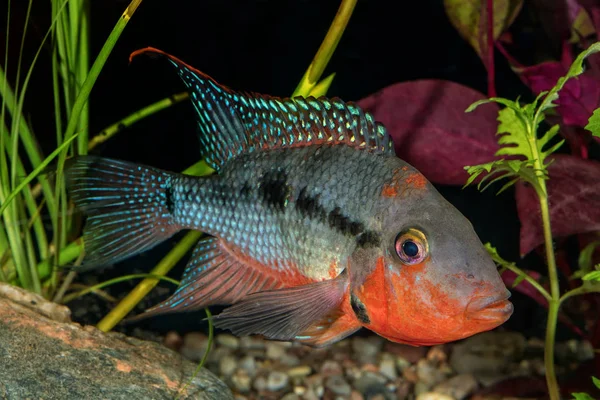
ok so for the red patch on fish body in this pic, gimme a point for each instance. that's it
(417, 180)
(402, 181)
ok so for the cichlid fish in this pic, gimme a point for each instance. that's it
(316, 228)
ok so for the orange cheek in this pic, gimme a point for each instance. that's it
(407, 307)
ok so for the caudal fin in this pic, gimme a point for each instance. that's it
(129, 207)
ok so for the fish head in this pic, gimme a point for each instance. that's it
(430, 280)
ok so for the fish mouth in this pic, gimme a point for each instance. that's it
(490, 308)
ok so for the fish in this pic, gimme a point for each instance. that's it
(314, 227)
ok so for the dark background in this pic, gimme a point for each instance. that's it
(265, 46)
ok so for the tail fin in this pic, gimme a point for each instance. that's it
(129, 207)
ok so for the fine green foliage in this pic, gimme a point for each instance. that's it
(585, 396)
(594, 123)
(519, 138)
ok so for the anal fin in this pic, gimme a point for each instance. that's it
(283, 314)
(214, 276)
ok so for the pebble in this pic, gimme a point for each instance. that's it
(291, 396)
(227, 365)
(366, 350)
(387, 366)
(251, 343)
(458, 387)
(428, 373)
(338, 385)
(331, 368)
(402, 363)
(277, 381)
(371, 383)
(260, 384)
(488, 355)
(241, 381)
(229, 341)
(194, 346)
(173, 340)
(289, 360)
(299, 372)
(248, 363)
(274, 350)
(356, 395)
(437, 354)
(433, 396)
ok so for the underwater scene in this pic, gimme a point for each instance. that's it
(300, 200)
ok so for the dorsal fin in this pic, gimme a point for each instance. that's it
(233, 122)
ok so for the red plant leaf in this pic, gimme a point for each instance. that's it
(574, 197)
(431, 130)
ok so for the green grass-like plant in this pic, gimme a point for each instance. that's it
(519, 138)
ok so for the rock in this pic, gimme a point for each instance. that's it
(227, 365)
(299, 372)
(433, 396)
(241, 381)
(338, 385)
(428, 373)
(387, 366)
(488, 356)
(458, 387)
(277, 381)
(194, 346)
(402, 363)
(291, 396)
(403, 389)
(84, 362)
(229, 341)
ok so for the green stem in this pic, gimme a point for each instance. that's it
(554, 302)
(328, 46)
(143, 288)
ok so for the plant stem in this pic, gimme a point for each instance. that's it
(321, 59)
(143, 288)
(490, 49)
(554, 302)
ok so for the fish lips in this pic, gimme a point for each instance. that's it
(490, 308)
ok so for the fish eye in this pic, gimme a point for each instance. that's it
(411, 246)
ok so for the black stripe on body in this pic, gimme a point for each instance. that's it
(169, 202)
(310, 207)
(274, 189)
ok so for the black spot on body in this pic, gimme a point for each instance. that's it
(359, 309)
(245, 190)
(309, 206)
(169, 200)
(368, 239)
(274, 189)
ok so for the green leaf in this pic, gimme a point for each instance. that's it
(581, 396)
(585, 256)
(594, 123)
(575, 70)
(518, 280)
(592, 276)
(596, 381)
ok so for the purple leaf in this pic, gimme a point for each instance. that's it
(574, 197)
(431, 130)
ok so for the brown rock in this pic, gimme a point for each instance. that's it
(42, 355)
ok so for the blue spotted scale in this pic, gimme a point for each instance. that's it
(297, 194)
